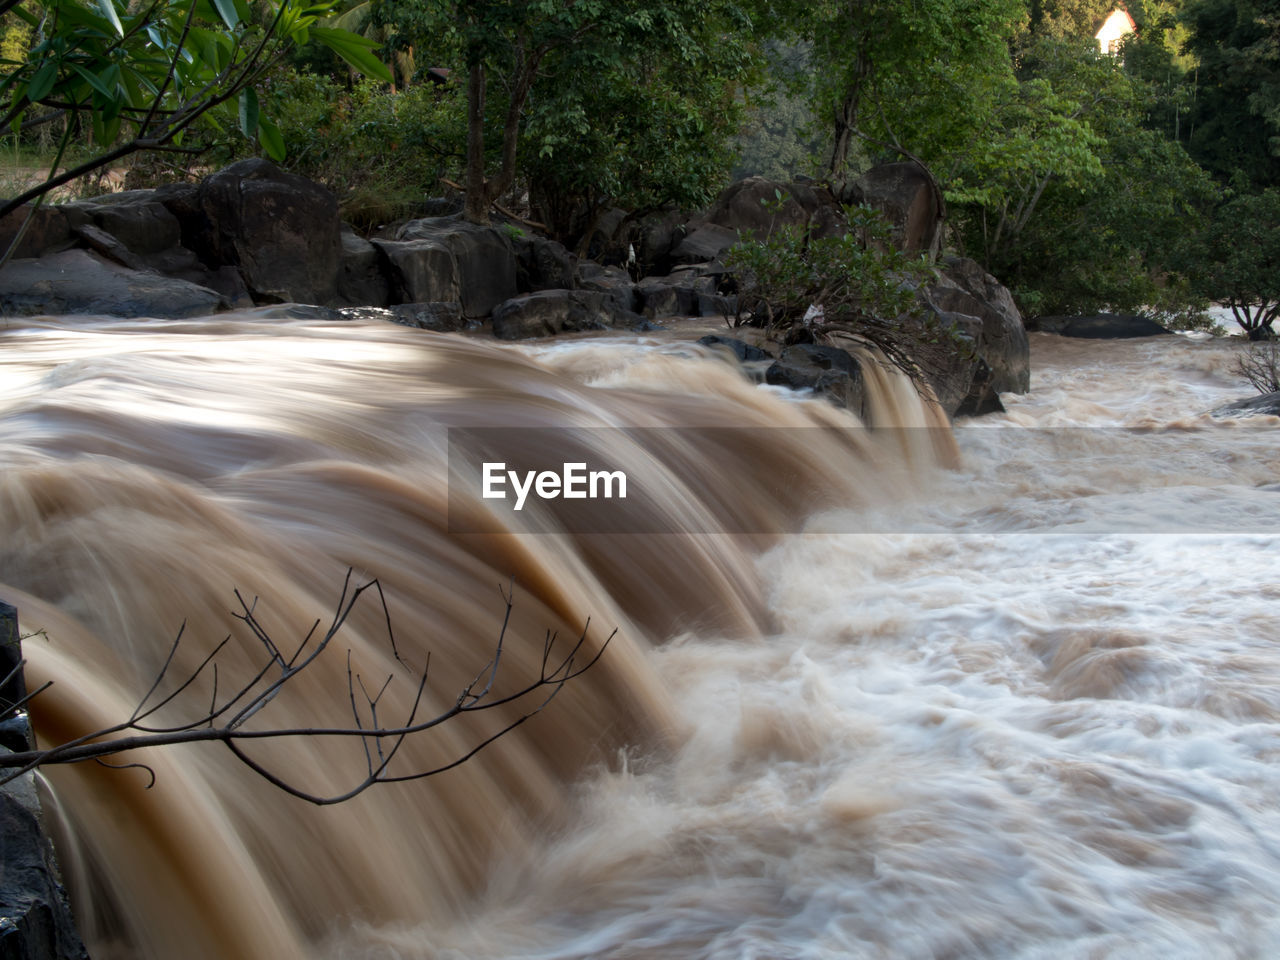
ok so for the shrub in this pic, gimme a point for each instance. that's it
(801, 287)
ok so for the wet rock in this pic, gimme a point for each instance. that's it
(963, 287)
(905, 195)
(828, 371)
(35, 916)
(280, 230)
(483, 261)
(421, 271)
(78, 281)
(545, 313)
(443, 317)
(744, 351)
(614, 282)
(703, 243)
(362, 281)
(762, 207)
(48, 232)
(1267, 404)
(1101, 326)
(543, 264)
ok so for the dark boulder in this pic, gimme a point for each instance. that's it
(744, 351)
(135, 218)
(763, 206)
(48, 232)
(543, 264)
(545, 313)
(483, 260)
(78, 281)
(421, 271)
(676, 295)
(828, 371)
(702, 243)
(362, 281)
(1101, 326)
(1267, 404)
(441, 317)
(280, 230)
(35, 915)
(614, 282)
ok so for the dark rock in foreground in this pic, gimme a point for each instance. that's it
(1268, 404)
(1100, 326)
(78, 281)
(827, 371)
(744, 351)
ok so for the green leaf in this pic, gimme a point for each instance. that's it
(43, 81)
(108, 9)
(356, 50)
(249, 112)
(271, 140)
(226, 10)
(93, 81)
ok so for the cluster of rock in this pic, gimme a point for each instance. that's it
(252, 234)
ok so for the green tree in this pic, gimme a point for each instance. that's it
(878, 65)
(583, 94)
(1235, 120)
(163, 76)
(1066, 194)
(1236, 260)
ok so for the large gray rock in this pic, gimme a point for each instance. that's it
(362, 281)
(135, 218)
(48, 232)
(703, 242)
(78, 281)
(545, 313)
(484, 261)
(543, 264)
(421, 271)
(280, 230)
(963, 287)
(962, 379)
(904, 193)
(612, 281)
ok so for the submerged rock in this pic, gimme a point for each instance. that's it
(1268, 404)
(1101, 326)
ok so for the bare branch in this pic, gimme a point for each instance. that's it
(381, 742)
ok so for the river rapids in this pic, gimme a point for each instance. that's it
(1011, 691)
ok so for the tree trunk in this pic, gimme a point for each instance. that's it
(476, 208)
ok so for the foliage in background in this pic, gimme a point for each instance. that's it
(1067, 195)
(165, 76)
(1235, 260)
(381, 152)
(1234, 128)
(588, 104)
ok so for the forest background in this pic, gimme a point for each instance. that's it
(1143, 179)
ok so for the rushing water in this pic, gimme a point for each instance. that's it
(1020, 703)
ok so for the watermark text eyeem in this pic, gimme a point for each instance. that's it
(573, 482)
